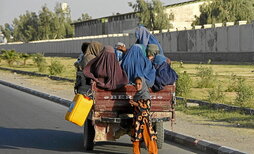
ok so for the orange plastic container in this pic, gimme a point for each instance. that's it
(79, 109)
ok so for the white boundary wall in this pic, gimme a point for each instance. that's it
(236, 38)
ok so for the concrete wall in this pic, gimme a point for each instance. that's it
(222, 44)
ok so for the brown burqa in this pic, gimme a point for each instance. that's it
(92, 51)
(106, 71)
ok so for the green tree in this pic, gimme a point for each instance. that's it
(26, 27)
(64, 19)
(84, 17)
(46, 25)
(221, 11)
(152, 14)
(7, 31)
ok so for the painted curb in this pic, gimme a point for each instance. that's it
(37, 74)
(53, 98)
(192, 142)
(202, 145)
(226, 107)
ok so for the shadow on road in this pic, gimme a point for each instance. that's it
(57, 140)
(62, 141)
(111, 147)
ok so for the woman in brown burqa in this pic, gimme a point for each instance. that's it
(106, 71)
(90, 51)
(93, 50)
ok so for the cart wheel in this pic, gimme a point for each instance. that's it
(88, 135)
(160, 134)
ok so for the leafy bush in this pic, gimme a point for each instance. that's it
(183, 84)
(216, 93)
(209, 61)
(25, 57)
(56, 67)
(40, 62)
(1, 57)
(207, 78)
(232, 83)
(244, 92)
(181, 64)
(10, 56)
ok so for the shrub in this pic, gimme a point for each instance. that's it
(216, 93)
(209, 61)
(40, 62)
(1, 57)
(25, 57)
(244, 92)
(207, 78)
(232, 83)
(10, 56)
(183, 84)
(56, 67)
(181, 64)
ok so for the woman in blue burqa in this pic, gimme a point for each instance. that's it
(135, 63)
(165, 75)
(145, 37)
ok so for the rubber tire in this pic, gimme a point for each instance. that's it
(88, 135)
(160, 134)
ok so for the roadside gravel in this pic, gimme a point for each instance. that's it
(221, 133)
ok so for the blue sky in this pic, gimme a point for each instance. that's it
(10, 9)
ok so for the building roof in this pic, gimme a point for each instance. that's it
(183, 3)
(112, 16)
(118, 15)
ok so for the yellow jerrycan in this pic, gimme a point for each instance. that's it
(79, 109)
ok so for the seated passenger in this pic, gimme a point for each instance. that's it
(106, 71)
(80, 82)
(165, 75)
(135, 63)
(120, 50)
(92, 51)
(145, 37)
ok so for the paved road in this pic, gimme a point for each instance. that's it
(29, 124)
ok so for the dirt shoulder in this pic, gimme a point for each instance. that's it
(221, 133)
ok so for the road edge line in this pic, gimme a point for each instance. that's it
(53, 98)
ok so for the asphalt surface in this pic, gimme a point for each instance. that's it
(29, 124)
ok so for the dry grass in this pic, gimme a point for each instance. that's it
(224, 75)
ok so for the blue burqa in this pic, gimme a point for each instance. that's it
(165, 75)
(136, 64)
(159, 59)
(145, 37)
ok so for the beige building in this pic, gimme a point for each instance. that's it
(184, 13)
